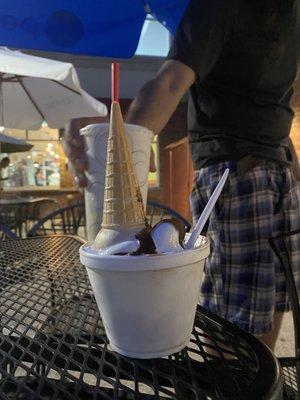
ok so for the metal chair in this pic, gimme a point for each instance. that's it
(290, 365)
(156, 212)
(6, 233)
(66, 220)
(12, 216)
(35, 211)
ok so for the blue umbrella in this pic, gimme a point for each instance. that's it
(106, 28)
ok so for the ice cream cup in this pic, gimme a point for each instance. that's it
(96, 135)
(147, 302)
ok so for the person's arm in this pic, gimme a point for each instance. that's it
(158, 99)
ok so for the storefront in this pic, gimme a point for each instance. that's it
(38, 167)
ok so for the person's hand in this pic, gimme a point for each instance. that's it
(73, 145)
(74, 148)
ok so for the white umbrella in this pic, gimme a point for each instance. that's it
(35, 89)
(9, 144)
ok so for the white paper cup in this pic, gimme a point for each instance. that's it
(148, 302)
(96, 135)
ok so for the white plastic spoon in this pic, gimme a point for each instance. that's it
(206, 212)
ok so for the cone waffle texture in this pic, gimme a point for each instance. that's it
(123, 204)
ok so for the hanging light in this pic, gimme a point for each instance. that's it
(44, 124)
(2, 129)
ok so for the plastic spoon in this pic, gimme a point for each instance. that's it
(206, 212)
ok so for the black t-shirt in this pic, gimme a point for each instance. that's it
(245, 59)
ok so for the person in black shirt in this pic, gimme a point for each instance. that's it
(239, 60)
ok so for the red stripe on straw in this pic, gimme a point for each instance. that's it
(115, 81)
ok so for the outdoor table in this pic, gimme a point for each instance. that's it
(53, 344)
(18, 201)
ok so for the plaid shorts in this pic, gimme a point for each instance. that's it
(243, 280)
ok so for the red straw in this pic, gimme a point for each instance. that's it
(115, 81)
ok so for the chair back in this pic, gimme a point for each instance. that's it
(281, 248)
(66, 220)
(290, 365)
(156, 212)
(6, 233)
(12, 217)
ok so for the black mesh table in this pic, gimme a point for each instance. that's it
(53, 344)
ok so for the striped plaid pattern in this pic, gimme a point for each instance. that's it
(243, 280)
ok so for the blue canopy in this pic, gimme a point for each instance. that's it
(106, 28)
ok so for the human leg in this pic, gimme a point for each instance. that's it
(243, 279)
(270, 338)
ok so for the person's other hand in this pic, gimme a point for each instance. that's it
(74, 148)
(73, 145)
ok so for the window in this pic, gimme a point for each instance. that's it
(44, 164)
(154, 40)
(38, 167)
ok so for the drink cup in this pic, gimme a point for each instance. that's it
(147, 302)
(95, 136)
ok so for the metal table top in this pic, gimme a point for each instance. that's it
(53, 344)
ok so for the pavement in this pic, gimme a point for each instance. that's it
(285, 342)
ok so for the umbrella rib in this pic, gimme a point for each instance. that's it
(66, 87)
(17, 79)
(12, 78)
(30, 98)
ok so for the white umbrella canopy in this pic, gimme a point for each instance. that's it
(9, 144)
(35, 89)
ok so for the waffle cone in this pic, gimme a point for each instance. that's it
(123, 204)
